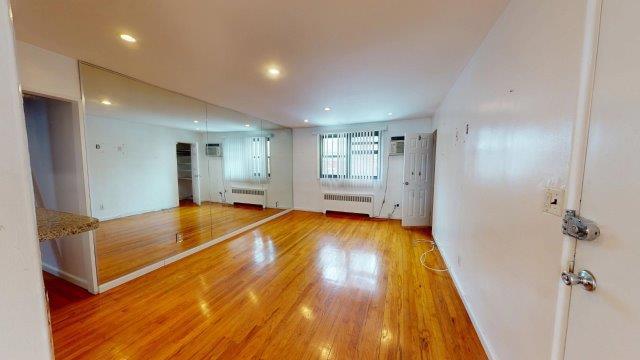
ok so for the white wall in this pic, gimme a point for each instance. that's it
(135, 170)
(306, 186)
(280, 185)
(48, 73)
(518, 95)
(24, 328)
(56, 76)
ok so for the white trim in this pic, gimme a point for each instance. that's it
(307, 209)
(83, 283)
(576, 168)
(162, 263)
(488, 349)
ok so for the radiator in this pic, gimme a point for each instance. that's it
(353, 203)
(249, 196)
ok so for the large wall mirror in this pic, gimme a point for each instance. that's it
(169, 173)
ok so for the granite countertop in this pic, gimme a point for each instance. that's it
(56, 224)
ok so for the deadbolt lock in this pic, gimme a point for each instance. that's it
(579, 227)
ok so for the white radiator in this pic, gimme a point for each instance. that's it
(353, 203)
(249, 196)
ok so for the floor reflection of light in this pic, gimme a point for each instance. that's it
(204, 308)
(385, 336)
(356, 268)
(325, 351)
(262, 253)
(253, 297)
(306, 312)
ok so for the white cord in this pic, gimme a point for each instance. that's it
(423, 256)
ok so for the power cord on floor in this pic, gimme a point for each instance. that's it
(423, 256)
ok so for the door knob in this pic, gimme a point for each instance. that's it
(584, 278)
(406, 183)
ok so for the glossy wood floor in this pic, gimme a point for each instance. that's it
(303, 286)
(130, 243)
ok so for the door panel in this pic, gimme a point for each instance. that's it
(416, 199)
(605, 324)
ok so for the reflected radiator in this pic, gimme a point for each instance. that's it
(249, 196)
(353, 203)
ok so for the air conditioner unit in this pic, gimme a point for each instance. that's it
(213, 150)
(352, 203)
(249, 196)
(397, 145)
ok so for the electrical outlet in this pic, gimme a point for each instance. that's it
(179, 238)
(396, 206)
(101, 206)
(553, 201)
(459, 260)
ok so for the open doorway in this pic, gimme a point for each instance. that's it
(54, 134)
(188, 174)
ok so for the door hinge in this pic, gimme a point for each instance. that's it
(579, 227)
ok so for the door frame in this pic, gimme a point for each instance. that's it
(577, 163)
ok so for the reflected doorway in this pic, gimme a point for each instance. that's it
(187, 166)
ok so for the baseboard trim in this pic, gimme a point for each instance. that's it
(66, 276)
(483, 338)
(162, 263)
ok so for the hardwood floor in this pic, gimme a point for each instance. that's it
(303, 286)
(130, 243)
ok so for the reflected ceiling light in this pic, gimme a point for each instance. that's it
(128, 38)
(306, 120)
(195, 121)
(327, 108)
(390, 113)
(247, 125)
(105, 102)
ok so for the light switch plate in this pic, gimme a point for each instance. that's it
(553, 201)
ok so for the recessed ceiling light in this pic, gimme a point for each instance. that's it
(128, 38)
(306, 120)
(327, 108)
(247, 125)
(105, 102)
(273, 72)
(390, 113)
(195, 121)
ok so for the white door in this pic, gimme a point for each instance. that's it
(605, 324)
(416, 195)
(195, 173)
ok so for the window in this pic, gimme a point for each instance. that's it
(350, 155)
(246, 158)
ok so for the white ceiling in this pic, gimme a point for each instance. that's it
(363, 58)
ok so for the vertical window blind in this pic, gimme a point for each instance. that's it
(353, 157)
(246, 159)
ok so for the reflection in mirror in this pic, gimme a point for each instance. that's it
(247, 179)
(168, 172)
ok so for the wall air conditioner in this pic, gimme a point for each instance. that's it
(397, 145)
(249, 196)
(213, 150)
(352, 203)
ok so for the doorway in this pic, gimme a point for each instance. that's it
(54, 137)
(188, 173)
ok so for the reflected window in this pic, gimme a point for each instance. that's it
(356, 268)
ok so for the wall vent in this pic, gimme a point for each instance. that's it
(349, 198)
(353, 203)
(258, 192)
(249, 196)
